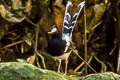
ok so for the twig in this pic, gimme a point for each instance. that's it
(28, 20)
(96, 25)
(88, 63)
(90, 59)
(43, 61)
(79, 66)
(85, 39)
(103, 66)
(113, 49)
(12, 44)
(36, 42)
(36, 39)
(5, 3)
(37, 62)
(83, 60)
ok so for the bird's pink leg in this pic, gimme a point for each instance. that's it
(59, 65)
(66, 64)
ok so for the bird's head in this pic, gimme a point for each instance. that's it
(53, 30)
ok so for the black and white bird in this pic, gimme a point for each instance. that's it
(58, 46)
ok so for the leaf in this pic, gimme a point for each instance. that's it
(22, 48)
(31, 59)
(59, 16)
(17, 4)
(21, 60)
(28, 39)
(28, 42)
(6, 14)
(14, 10)
(47, 2)
(28, 6)
(72, 72)
(94, 16)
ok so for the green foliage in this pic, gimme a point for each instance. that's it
(47, 2)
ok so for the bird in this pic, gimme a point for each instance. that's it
(58, 46)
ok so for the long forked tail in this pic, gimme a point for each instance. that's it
(69, 21)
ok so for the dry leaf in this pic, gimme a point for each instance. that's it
(59, 17)
(31, 59)
(72, 72)
(28, 6)
(22, 48)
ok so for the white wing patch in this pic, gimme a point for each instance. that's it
(68, 27)
(54, 30)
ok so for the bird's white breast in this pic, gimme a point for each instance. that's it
(64, 56)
